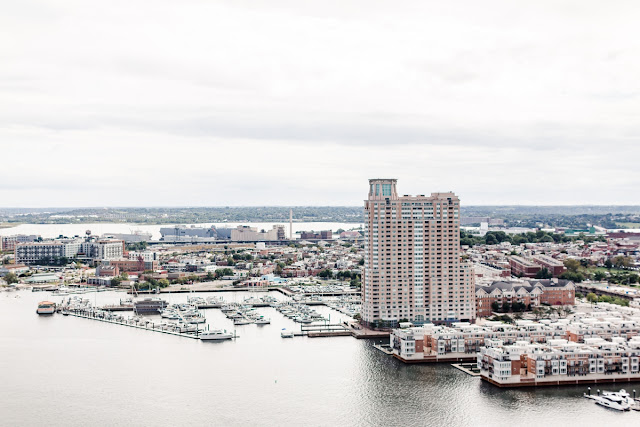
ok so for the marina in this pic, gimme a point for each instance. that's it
(301, 371)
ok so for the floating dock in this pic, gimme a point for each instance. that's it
(130, 323)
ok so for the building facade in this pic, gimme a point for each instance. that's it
(244, 233)
(8, 243)
(32, 253)
(559, 362)
(554, 266)
(531, 294)
(412, 267)
(523, 267)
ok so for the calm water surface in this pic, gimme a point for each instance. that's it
(60, 370)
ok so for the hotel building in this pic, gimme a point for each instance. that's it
(412, 266)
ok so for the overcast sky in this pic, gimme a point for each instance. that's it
(214, 103)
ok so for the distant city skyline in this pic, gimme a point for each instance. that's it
(236, 103)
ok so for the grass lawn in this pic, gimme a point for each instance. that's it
(628, 224)
(610, 270)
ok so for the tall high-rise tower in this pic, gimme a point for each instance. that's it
(412, 265)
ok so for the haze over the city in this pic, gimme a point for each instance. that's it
(131, 103)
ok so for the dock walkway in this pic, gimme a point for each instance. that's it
(129, 323)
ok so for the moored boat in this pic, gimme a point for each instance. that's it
(215, 335)
(46, 307)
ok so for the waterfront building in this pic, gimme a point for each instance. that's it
(559, 362)
(412, 265)
(461, 341)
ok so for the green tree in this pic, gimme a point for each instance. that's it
(599, 276)
(10, 278)
(495, 306)
(544, 273)
(622, 261)
(605, 298)
(591, 297)
(538, 313)
(573, 276)
(572, 265)
(163, 283)
(116, 281)
(326, 274)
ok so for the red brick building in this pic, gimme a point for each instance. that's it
(532, 294)
(523, 267)
(555, 267)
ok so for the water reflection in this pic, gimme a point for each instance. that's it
(97, 373)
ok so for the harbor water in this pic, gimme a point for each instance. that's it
(71, 371)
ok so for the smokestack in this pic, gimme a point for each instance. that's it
(291, 224)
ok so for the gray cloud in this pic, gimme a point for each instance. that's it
(301, 102)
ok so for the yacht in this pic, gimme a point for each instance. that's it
(262, 320)
(241, 321)
(46, 307)
(215, 335)
(620, 401)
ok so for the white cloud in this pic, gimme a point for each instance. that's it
(290, 102)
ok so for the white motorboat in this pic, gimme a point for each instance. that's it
(620, 401)
(194, 319)
(286, 334)
(215, 335)
(242, 321)
(262, 320)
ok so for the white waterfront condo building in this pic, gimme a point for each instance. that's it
(412, 266)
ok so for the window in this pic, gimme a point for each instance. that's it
(386, 189)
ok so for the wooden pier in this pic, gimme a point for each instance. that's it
(322, 330)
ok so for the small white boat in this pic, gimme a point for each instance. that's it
(215, 335)
(241, 321)
(286, 334)
(262, 321)
(194, 319)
